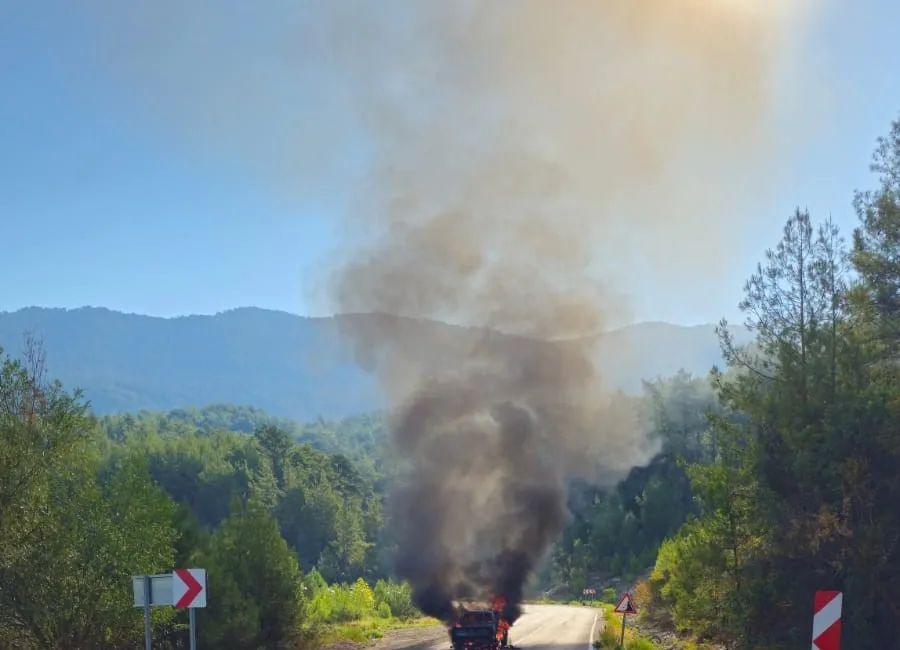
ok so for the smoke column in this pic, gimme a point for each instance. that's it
(515, 143)
(508, 166)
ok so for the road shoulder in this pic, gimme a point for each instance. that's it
(400, 639)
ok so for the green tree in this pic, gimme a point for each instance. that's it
(277, 445)
(308, 515)
(44, 433)
(258, 567)
(778, 451)
(876, 241)
(343, 559)
(96, 538)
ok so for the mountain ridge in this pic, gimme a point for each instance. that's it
(289, 365)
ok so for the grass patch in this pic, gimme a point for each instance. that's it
(425, 621)
(586, 603)
(369, 628)
(612, 632)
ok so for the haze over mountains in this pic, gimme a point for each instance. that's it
(289, 365)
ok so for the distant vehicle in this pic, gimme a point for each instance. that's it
(479, 629)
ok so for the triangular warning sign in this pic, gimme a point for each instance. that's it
(625, 606)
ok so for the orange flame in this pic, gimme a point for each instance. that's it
(498, 605)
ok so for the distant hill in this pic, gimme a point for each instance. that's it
(288, 365)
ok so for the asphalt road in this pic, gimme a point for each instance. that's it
(541, 627)
(556, 627)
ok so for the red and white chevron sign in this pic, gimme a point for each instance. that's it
(189, 588)
(827, 620)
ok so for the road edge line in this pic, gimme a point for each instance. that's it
(591, 637)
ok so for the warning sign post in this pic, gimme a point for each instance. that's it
(625, 607)
(827, 620)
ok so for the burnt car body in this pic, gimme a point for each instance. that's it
(478, 629)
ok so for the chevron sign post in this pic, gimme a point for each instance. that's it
(183, 588)
(827, 620)
(189, 590)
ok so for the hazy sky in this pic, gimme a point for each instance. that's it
(103, 203)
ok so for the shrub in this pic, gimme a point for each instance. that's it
(314, 582)
(397, 596)
(340, 603)
(608, 639)
(612, 631)
(645, 601)
(362, 597)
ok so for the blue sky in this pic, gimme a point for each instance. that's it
(101, 205)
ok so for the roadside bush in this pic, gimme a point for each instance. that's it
(339, 604)
(612, 631)
(608, 639)
(397, 596)
(646, 601)
(342, 603)
(610, 596)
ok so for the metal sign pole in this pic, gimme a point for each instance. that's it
(182, 589)
(148, 630)
(193, 628)
(622, 640)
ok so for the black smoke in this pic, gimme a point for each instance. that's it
(489, 447)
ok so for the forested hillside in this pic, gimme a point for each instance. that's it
(274, 509)
(285, 364)
(86, 502)
(288, 365)
(362, 438)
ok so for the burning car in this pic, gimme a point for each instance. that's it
(480, 629)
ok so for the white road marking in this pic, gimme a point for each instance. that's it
(591, 637)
